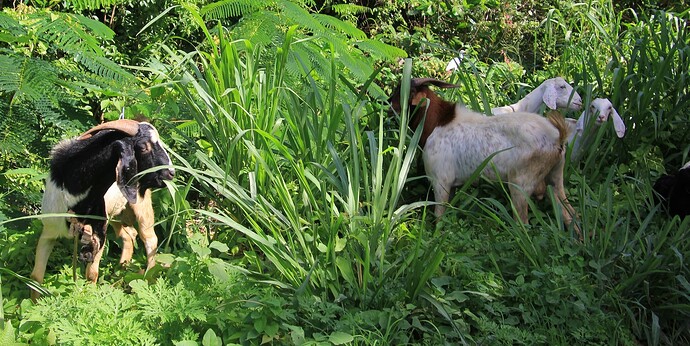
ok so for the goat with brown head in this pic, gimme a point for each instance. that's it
(524, 149)
(424, 102)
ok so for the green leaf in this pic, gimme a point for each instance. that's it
(186, 343)
(7, 335)
(211, 339)
(340, 338)
(217, 269)
(219, 246)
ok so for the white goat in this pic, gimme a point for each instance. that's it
(589, 122)
(554, 93)
(530, 148)
(581, 132)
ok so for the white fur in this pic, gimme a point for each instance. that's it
(533, 153)
(155, 138)
(58, 201)
(554, 93)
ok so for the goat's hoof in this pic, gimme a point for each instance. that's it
(85, 255)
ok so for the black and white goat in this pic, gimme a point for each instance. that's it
(530, 148)
(675, 191)
(82, 169)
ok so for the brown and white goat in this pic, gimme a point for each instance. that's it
(529, 148)
(82, 170)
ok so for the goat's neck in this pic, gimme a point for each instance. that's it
(531, 102)
(439, 113)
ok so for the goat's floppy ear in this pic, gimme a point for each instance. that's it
(550, 95)
(618, 123)
(125, 171)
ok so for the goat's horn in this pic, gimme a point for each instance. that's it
(128, 126)
(441, 84)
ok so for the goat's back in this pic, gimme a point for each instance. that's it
(460, 147)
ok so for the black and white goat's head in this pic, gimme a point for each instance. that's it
(82, 169)
(117, 150)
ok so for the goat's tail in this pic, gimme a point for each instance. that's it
(558, 121)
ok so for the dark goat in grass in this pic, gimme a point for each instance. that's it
(82, 170)
(675, 191)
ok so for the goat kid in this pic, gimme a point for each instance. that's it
(554, 93)
(82, 170)
(598, 112)
(456, 141)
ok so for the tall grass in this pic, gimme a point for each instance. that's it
(295, 169)
(303, 176)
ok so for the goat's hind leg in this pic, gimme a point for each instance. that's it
(555, 179)
(46, 242)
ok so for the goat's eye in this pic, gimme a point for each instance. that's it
(562, 86)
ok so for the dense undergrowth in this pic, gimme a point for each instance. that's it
(299, 214)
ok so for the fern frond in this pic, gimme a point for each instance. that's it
(26, 78)
(71, 32)
(96, 28)
(10, 29)
(298, 15)
(350, 9)
(104, 68)
(80, 5)
(380, 50)
(259, 28)
(340, 26)
(232, 8)
(9, 73)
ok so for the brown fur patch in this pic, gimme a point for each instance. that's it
(558, 121)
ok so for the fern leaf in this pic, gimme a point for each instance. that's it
(350, 9)
(11, 30)
(34, 78)
(380, 50)
(232, 8)
(340, 26)
(260, 28)
(298, 15)
(9, 73)
(104, 68)
(71, 32)
(80, 5)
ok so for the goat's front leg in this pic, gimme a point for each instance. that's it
(128, 234)
(519, 199)
(441, 196)
(143, 210)
(92, 267)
